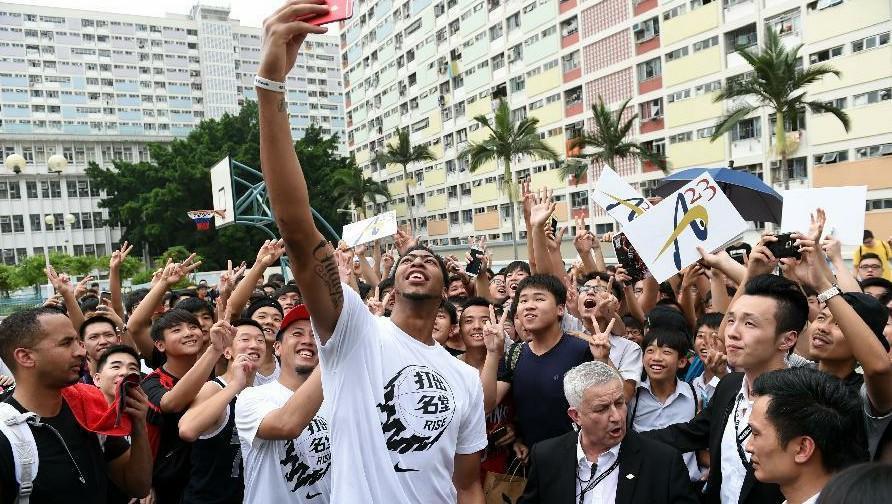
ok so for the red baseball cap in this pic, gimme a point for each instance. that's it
(299, 312)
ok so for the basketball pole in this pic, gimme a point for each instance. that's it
(252, 208)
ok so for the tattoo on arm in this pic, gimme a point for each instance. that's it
(326, 268)
(283, 106)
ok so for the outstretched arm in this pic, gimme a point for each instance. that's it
(312, 258)
(269, 253)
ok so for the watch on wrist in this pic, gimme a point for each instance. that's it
(829, 293)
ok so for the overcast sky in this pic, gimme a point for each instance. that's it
(249, 12)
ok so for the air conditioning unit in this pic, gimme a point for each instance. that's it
(637, 27)
(513, 57)
(886, 149)
(828, 158)
(441, 100)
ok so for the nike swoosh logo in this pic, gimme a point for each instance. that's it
(397, 468)
(313, 496)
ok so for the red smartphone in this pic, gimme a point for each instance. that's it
(340, 10)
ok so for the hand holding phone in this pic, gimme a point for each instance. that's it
(785, 246)
(473, 267)
(340, 10)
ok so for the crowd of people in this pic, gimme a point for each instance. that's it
(396, 376)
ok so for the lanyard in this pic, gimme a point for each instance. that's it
(592, 483)
(740, 436)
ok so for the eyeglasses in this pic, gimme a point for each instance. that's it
(870, 267)
(585, 289)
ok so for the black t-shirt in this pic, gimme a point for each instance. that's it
(453, 351)
(217, 465)
(537, 387)
(170, 471)
(57, 478)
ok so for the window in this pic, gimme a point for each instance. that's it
(579, 199)
(873, 151)
(796, 169)
(872, 97)
(706, 44)
(742, 38)
(513, 22)
(699, 3)
(675, 12)
(839, 103)
(36, 221)
(649, 70)
(746, 129)
(681, 138)
(495, 31)
(651, 109)
(678, 95)
(517, 84)
(707, 87)
(786, 23)
(826, 54)
(705, 132)
(681, 52)
(870, 42)
(832, 157)
(646, 30)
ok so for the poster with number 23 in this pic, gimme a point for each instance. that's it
(697, 215)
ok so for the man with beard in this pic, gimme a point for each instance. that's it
(283, 433)
(44, 353)
(402, 409)
(209, 423)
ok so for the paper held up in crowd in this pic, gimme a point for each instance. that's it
(371, 229)
(619, 199)
(844, 207)
(697, 215)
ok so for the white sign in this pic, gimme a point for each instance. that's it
(844, 207)
(618, 198)
(222, 194)
(369, 230)
(697, 215)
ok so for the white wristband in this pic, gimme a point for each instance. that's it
(269, 85)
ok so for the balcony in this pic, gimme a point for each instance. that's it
(647, 45)
(573, 108)
(649, 85)
(572, 75)
(651, 124)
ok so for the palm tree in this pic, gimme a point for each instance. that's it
(778, 82)
(352, 188)
(404, 154)
(508, 142)
(609, 140)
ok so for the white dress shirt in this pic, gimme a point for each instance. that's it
(647, 413)
(733, 470)
(705, 390)
(605, 491)
(811, 500)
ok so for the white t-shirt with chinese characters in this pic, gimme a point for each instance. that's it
(401, 410)
(293, 470)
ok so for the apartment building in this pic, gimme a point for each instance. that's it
(100, 87)
(432, 65)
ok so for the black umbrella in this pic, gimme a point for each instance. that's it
(754, 199)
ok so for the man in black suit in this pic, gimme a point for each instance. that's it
(603, 463)
(761, 327)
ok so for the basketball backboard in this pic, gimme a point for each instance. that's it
(222, 193)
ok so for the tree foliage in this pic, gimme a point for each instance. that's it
(403, 153)
(609, 139)
(150, 199)
(778, 83)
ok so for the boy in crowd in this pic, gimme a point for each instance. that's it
(709, 349)
(284, 435)
(529, 369)
(871, 266)
(662, 399)
(209, 423)
(878, 248)
(269, 314)
(98, 333)
(288, 296)
(445, 329)
(116, 362)
(171, 388)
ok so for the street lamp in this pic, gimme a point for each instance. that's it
(69, 221)
(56, 163)
(15, 162)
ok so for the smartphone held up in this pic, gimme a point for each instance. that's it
(340, 10)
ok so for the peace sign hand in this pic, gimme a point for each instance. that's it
(599, 341)
(716, 360)
(494, 332)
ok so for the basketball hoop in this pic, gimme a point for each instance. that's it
(202, 218)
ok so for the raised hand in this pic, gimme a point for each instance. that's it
(283, 36)
(222, 334)
(542, 209)
(584, 241)
(81, 288)
(270, 252)
(345, 264)
(817, 273)
(528, 199)
(61, 283)
(377, 307)
(118, 256)
(243, 367)
(554, 241)
(403, 241)
(494, 332)
(599, 341)
(136, 404)
(761, 260)
(622, 277)
(833, 248)
(608, 304)
(716, 360)
(386, 264)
